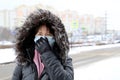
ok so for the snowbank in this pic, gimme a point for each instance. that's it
(6, 43)
(7, 55)
(77, 50)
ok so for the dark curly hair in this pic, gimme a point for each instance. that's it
(26, 33)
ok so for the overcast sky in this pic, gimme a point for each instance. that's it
(94, 7)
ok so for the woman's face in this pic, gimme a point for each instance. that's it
(44, 31)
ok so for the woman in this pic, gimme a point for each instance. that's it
(42, 49)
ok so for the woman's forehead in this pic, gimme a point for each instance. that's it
(43, 27)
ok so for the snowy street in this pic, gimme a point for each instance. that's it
(8, 55)
(56, 39)
(90, 63)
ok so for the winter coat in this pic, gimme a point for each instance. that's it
(54, 70)
(58, 65)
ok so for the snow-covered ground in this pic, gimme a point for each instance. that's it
(6, 43)
(8, 55)
(108, 69)
(76, 50)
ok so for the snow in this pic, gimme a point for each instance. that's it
(7, 55)
(108, 69)
(6, 43)
(77, 50)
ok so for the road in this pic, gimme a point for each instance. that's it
(80, 59)
(87, 57)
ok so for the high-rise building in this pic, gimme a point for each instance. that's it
(100, 27)
(87, 24)
(5, 18)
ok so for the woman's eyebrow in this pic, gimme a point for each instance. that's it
(39, 33)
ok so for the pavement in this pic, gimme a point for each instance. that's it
(6, 71)
(80, 59)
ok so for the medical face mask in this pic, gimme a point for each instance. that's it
(51, 39)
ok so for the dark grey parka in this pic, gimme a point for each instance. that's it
(58, 65)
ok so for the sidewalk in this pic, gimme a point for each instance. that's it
(108, 69)
(6, 70)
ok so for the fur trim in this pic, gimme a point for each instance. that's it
(26, 33)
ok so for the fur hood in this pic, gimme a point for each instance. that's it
(26, 33)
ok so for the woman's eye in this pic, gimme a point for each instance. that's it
(39, 34)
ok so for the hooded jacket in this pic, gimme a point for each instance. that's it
(58, 65)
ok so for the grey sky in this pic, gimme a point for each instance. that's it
(95, 7)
